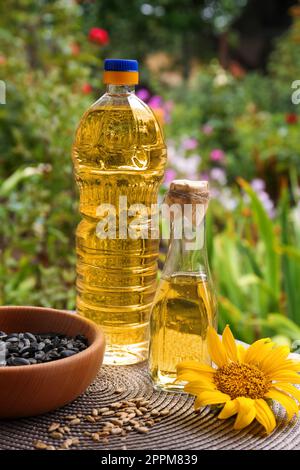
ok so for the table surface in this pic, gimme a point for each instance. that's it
(181, 429)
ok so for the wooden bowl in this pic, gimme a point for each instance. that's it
(34, 389)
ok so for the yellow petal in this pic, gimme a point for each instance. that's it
(287, 402)
(192, 371)
(258, 350)
(284, 366)
(286, 376)
(196, 387)
(215, 348)
(189, 376)
(241, 352)
(288, 364)
(195, 366)
(246, 412)
(197, 404)
(275, 358)
(211, 398)
(229, 344)
(288, 388)
(295, 364)
(264, 415)
(229, 409)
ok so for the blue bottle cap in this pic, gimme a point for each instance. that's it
(121, 65)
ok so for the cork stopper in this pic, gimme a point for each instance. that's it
(188, 192)
(192, 196)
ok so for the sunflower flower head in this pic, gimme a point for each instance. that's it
(244, 381)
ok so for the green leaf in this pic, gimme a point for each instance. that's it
(290, 261)
(266, 231)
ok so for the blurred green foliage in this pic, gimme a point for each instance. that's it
(247, 126)
(185, 28)
(256, 262)
(44, 72)
(251, 120)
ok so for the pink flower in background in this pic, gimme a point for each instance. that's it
(258, 184)
(170, 175)
(214, 193)
(227, 199)
(207, 129)
(218, 175)
(189, 167)
(162, 108)
(190, 143)
(217, 155)
(143, 94)
(168, 107)
(155, 102)
(204, 177)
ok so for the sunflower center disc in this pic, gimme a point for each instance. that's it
(241, 380)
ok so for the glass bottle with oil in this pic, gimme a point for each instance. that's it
(185, 303)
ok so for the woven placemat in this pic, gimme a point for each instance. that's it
(181, 429)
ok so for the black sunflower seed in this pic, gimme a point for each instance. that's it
(67, 353)
(27, 348)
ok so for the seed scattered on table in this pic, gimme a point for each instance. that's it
(67, 443)
(142, 429)
(90, 418)
(75, 421)
(56, 435)
(150, 422)
(70, 417)
(53, 427)
(103, 410)
(40, 445)
(143, 409)
(108, 413)
(117, 420)
(164, 412)
(95, 436)
(116, 431)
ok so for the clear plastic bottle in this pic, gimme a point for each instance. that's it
(185, 304)
(119, 150)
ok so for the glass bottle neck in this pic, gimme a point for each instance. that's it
(120, 89)
(187, 249)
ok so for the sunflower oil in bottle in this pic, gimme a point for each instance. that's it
(184, 305)
(119, 157)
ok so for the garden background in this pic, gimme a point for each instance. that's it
(219, 75)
